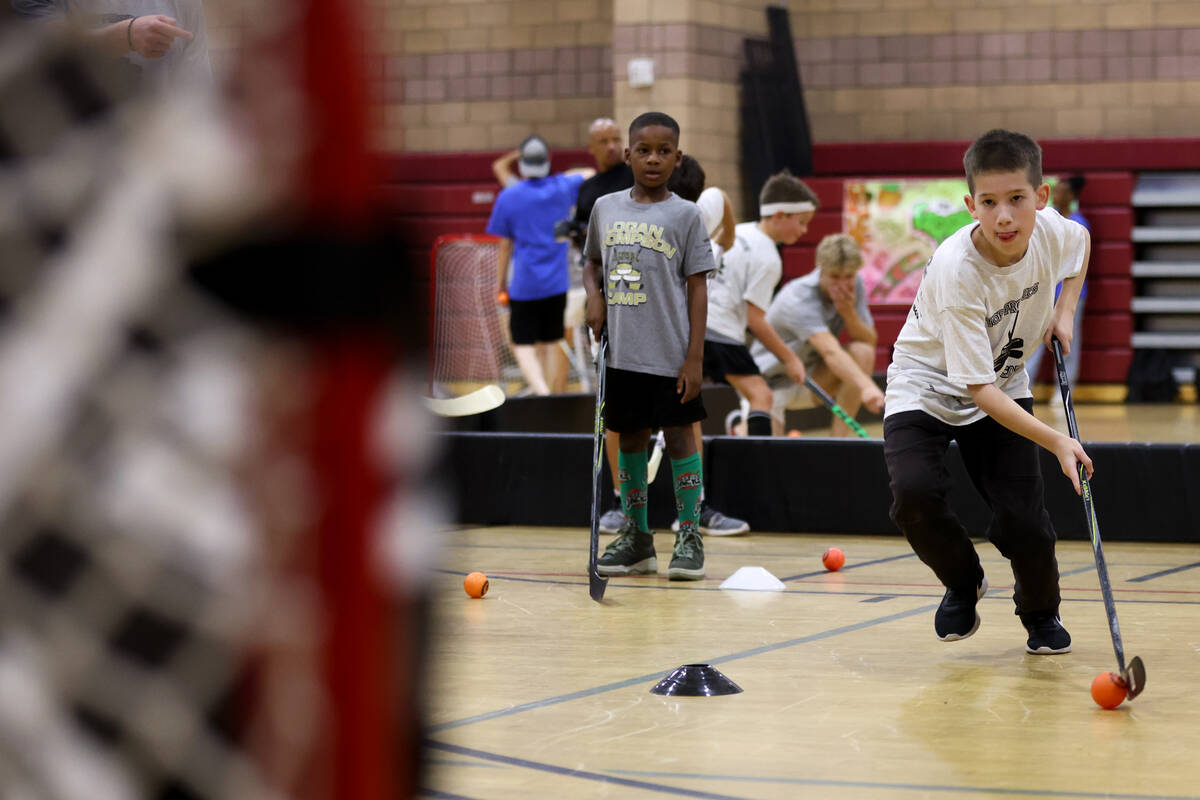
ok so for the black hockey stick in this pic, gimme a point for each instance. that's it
(1134, 675)
(597, 582)
(835, 408)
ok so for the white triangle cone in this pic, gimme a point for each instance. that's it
(753, 579)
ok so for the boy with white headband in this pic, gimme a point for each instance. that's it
(740, 292)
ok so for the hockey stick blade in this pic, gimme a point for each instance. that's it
(597, 583)
(840, 412)
(1133, 675)
(477, 402)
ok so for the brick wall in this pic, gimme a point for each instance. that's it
(451, 75)
(478, 75)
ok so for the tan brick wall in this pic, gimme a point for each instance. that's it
(896, 69)
(482, 75)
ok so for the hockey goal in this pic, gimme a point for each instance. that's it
(470, 341)
(469, 336)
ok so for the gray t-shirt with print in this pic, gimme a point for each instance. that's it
(647, 250)
(799, 311)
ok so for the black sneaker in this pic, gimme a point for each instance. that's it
(687, 561)
(956, 618)
(1047, 636)
(631, 553)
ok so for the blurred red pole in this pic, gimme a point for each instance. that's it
(335, 73)
(349, 372)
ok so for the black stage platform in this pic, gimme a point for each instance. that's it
(1143, 492)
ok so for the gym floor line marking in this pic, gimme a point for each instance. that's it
(655, 676)
(912, 787)
(994, 592)
(439, 795)
(707, 549)
(857, 565)
(1160, 573)
(576, 773)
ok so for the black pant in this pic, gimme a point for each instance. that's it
(1004, 468)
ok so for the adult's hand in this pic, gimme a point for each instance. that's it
(151, 36)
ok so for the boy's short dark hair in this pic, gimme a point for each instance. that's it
(1076, 182)
(687, 180)
(652, 118)
(1003, 151)
(784, 187)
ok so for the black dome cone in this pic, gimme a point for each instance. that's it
(696, 680)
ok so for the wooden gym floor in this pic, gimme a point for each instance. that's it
(536, 691)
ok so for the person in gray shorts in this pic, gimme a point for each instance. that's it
(810, 314)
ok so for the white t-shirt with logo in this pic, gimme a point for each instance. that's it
(747, 272)
(974, 323)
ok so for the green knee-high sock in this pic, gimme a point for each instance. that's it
(689, 483)
(631, 478)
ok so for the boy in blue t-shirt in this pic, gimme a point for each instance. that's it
(647, 255)
(524, 217)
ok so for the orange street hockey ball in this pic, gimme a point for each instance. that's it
(833, 559)
(476, 584)
(1108, 690)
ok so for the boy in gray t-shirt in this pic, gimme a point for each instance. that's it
(647, 254)
(810, 314)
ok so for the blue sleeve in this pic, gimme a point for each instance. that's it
(570, 187)
(499, 224)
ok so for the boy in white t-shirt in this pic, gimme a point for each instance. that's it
(739, 294)
(958, 373)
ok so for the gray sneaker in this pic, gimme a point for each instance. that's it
(631, 553)
(687, 562)
(714, 523)
(612, 520)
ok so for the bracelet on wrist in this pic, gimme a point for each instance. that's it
(129, 32)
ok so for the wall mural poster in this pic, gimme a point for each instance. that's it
(898, 224)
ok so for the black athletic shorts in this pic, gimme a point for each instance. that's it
(721, 359)
(637, 401)
(541, 320)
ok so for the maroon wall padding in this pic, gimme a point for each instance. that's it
(463, 199)
(1109, 224)
(1109, 294)
(1111, 259)
(464, 167)
(1107, 329)
(1104, 189)
(1105, 364)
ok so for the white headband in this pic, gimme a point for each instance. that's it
(771, 209)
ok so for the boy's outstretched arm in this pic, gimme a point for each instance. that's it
(756, 321)
(1002, 408)
(1062, 321)
(596, 310)
(691, 374)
